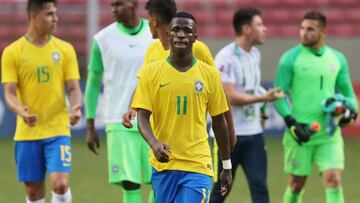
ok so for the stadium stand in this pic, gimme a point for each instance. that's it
(214, 18)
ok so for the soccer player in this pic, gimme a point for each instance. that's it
(117, 53)
(239, 63)
(160, 13)
(310, 73)
(34, 71)
(178, 91)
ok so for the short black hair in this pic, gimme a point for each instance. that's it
(37, 5)
(184, 14)
(165, 10)
(244, 16)
(316, 15)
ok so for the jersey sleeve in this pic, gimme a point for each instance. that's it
(343, 82)
(202, 52)
(217, 100)
(283, 79)
(95, 61)
(142, 99)
(92, 90)
(226, 67)
(8, 67)
(71, 67)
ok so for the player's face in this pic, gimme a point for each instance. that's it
(311, 32)
(182, 34)
(123, 10)
(46, 19)
(258, 30)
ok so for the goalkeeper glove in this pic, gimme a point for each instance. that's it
(301, 132)
(348, 117)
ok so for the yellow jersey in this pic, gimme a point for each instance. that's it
(40, 74)
(156, 51)
(179, 102)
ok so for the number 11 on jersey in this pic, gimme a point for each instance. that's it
(178, 102)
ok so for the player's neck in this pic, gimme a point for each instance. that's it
(131, 22)
(182, 63)
(244, 43)
(37, 38)
(318, 45)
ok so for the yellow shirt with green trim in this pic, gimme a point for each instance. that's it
(40, 74)
(156, 51)
(179, 102)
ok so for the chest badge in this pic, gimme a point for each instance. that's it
(199, 86)
(332, 68)
(56, 56)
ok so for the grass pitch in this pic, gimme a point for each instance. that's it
(89, 176)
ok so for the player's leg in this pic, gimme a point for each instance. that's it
(194, 188)
(30, 169)
(254, 164)
(57, 152)
(124, 160)
(236, 154)
(298, 164)
(330, 159)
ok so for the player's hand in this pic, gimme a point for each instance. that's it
(75, 114)
(273, 94)
(92, 140)
(300, 132)
(161, 151)
(29, 119)
(347, 118)
(225, 181)
(128, 117)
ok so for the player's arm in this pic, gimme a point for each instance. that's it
(239, 98)
(143, 104)
(217, 105)
(92, 91)
(222, 139)
(283, 80)
(160, 150)
(344, 86)
(14, 104)
(230, 126)
(75, 98)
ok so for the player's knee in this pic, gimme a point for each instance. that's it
(34, 195)
(127, 185)
(333, 180)
(60, 187)
(297, 185)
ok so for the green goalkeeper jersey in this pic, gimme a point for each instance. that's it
(309, 77)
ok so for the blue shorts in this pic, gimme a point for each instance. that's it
(35, 158)
(180, 186)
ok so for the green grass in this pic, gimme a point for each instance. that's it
(89, 177)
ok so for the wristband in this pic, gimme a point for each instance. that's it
(226, 164)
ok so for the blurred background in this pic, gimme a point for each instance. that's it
(81, 19)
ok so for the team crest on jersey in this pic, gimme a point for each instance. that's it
(56, 56)
(199, 86)
(332, 68)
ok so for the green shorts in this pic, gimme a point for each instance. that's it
(128, 155)
(299, 159)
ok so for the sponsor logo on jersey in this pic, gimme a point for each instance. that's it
(56, 56)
